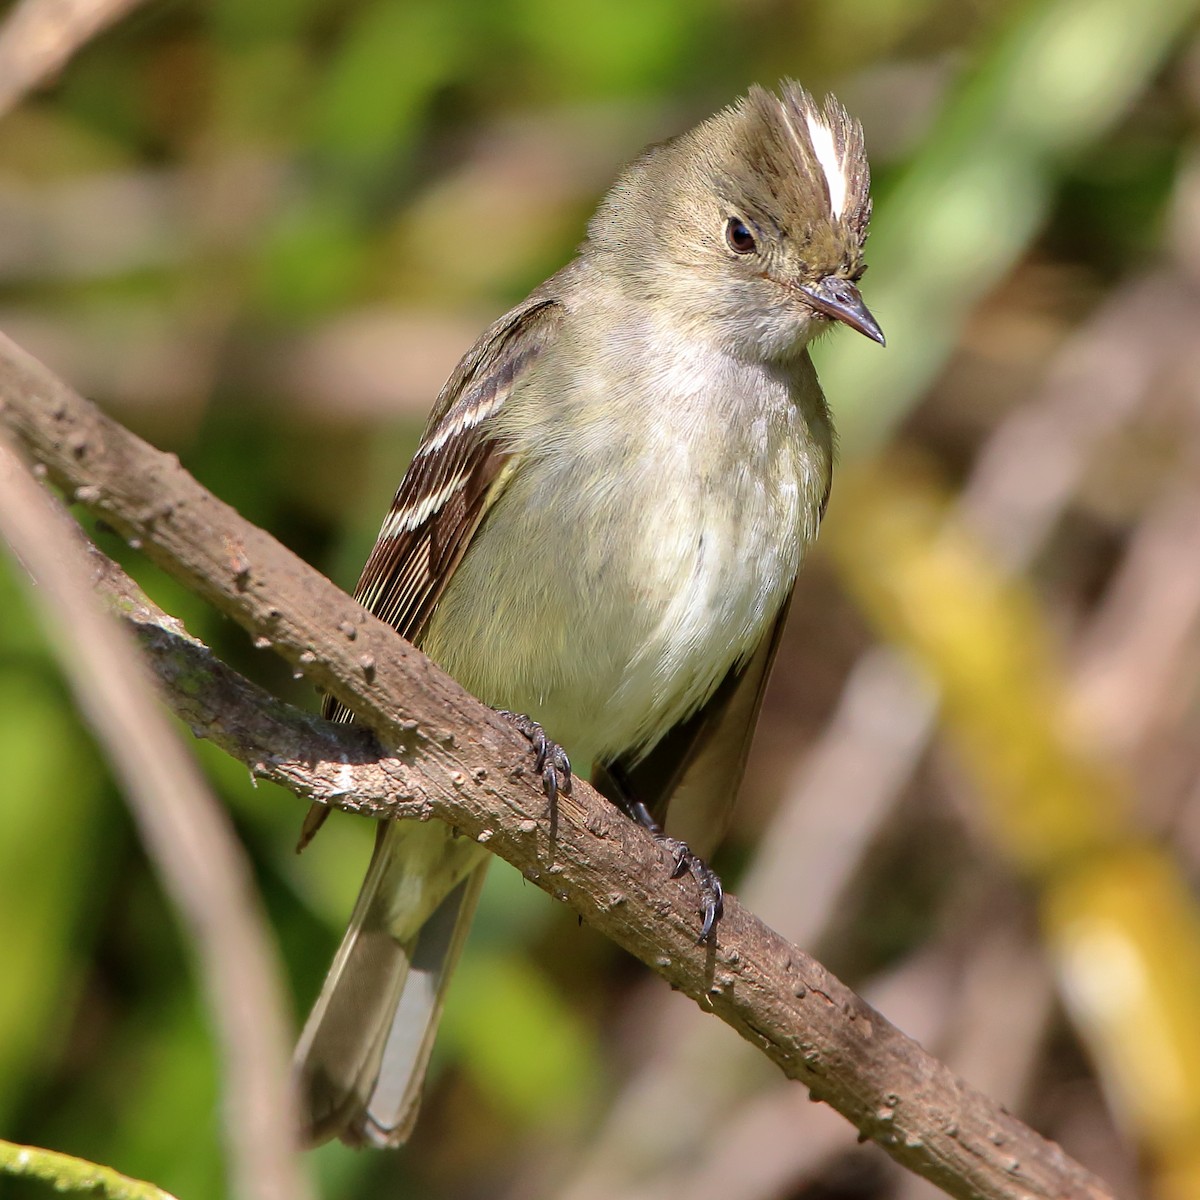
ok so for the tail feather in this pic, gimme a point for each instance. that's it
(365, 1047)
(391, 1110)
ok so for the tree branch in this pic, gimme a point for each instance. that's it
(457, 761)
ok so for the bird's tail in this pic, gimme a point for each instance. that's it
(362, 1056)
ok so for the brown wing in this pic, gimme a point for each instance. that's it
(452, 479)
(696, 769)
(447, 488)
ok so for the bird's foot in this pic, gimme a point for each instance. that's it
(551, 760)
(712, 894)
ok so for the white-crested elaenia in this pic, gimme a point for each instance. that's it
(600, 532)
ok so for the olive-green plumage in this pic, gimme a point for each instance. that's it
(601, 529)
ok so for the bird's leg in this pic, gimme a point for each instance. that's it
(550, 759)
(712, 894)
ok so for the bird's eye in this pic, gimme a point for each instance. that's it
(739, 237)
(858, 274)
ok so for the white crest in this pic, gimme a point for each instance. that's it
(825, 148)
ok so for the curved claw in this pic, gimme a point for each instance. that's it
(550, 759)
(712, 894)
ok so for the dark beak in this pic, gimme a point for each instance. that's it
(840, 299)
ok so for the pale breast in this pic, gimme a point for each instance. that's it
(637, 554)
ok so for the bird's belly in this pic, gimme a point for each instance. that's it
(610, 630)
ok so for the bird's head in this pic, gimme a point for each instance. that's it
(751, 226)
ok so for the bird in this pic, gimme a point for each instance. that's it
(599, 534)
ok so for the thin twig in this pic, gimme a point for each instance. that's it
(186, 833)
(39, 36)
(65, 1173)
